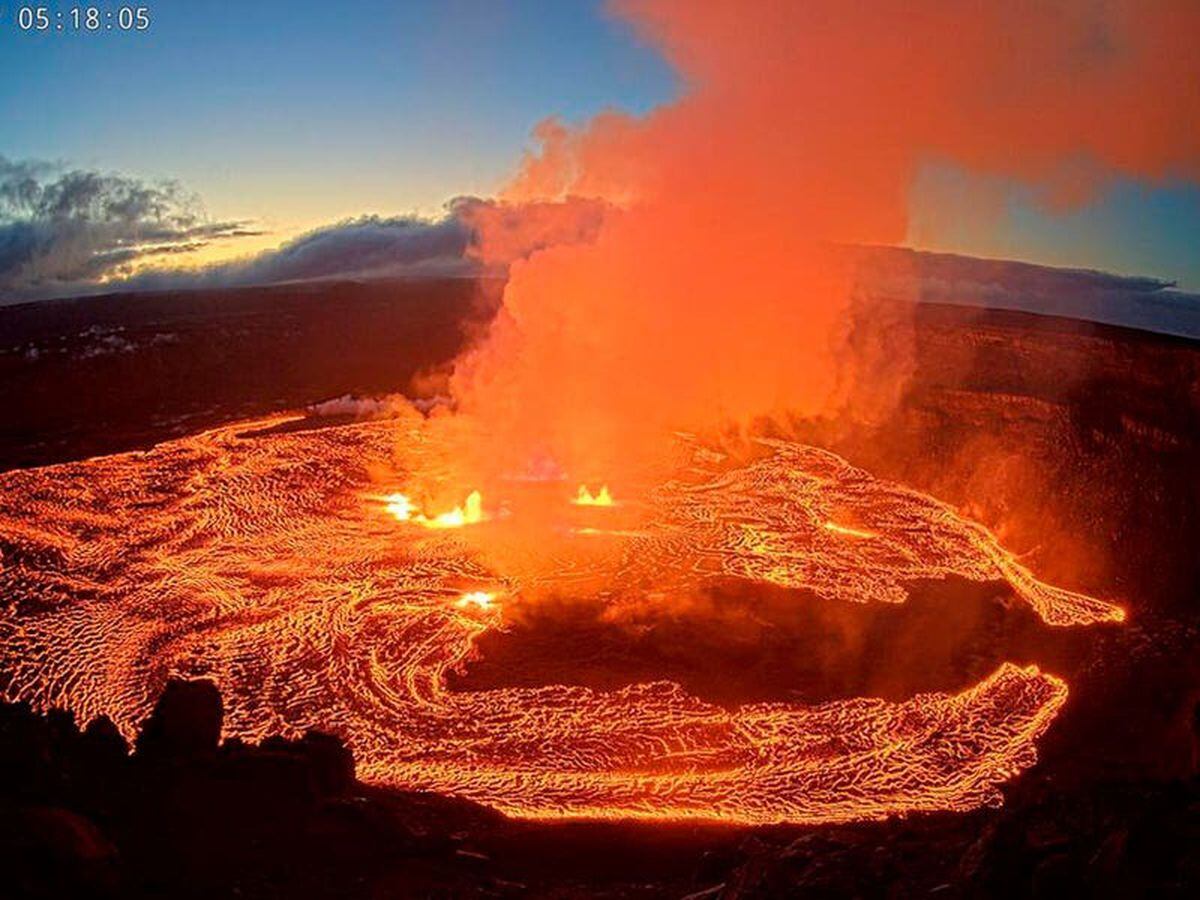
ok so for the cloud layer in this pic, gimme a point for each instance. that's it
(1149, 304)
(68, 232)
(64, 227)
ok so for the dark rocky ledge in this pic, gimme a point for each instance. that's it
(186, 815)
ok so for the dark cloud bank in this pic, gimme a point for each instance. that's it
(62, 230)
(66, 232)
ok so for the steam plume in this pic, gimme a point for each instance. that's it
(713, 295)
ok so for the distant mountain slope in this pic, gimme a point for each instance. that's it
(93, 374)
(1148, 304)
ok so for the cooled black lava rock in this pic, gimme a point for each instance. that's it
(185, 723)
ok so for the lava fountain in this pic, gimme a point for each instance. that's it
(585, 497)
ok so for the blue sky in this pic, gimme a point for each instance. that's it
(298, 113)
(1127, 227)
(314, 111)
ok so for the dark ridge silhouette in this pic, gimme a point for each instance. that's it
(185, 723)
(187, 815)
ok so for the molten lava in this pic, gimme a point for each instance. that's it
(247, 555)
(400, 507)
(584, 497)
(848, 531)
(477, 599)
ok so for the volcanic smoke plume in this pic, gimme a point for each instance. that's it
(710, 293)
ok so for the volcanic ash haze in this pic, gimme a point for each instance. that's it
(709, 293)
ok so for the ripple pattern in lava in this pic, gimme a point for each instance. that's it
(253, 555)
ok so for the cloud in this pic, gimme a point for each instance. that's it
(77, 232)
(63, 227)
(370, 246)
(503, 231)
(473, 236)
(1131, 301)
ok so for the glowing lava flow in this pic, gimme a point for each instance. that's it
(247, 555)
(401, 508)
(478, 599)
(848, 531)
(584, 497)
